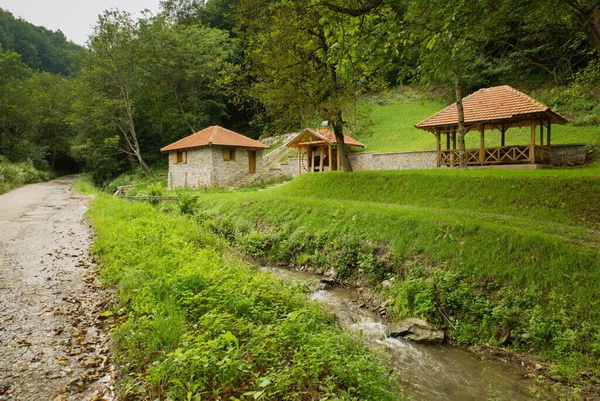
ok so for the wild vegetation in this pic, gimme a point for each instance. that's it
(507, 259)
(197, 322)
(14, 175)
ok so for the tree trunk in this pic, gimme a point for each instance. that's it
(588, 16)
(462, 149)
(338, 130)
(133, 142)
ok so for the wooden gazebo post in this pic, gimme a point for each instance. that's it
(532, 145)
(438, 148)
(299, 160)
(481, 145)
(330, 159)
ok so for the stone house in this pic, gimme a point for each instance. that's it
(213, 157)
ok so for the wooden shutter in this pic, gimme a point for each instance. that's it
(252, 161)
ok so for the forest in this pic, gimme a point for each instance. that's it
(272, 66)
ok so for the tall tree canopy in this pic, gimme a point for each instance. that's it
(40, 48)
(307, 62)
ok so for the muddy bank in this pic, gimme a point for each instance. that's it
(52, 342)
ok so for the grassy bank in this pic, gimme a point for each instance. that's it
(506, 258)
(196, 322)
(13, 175)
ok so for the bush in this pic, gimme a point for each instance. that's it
(14, 175)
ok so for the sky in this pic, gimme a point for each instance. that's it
(75, 18)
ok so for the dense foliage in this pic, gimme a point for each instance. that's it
(41, 49)
(196, 322)
(14, 175)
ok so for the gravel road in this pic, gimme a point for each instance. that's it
(53, 344)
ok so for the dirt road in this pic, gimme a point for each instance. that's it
(52, 343)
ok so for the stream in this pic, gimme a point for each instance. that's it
(427, 372)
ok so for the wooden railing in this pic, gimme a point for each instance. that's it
(497, 155)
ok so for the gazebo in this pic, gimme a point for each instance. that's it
(498, 108)
(319, 146)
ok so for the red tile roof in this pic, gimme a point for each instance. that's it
(214, 135)
(491, 104)
(328, 136)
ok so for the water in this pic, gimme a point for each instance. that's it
(427, 373)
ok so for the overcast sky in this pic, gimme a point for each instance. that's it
(75, 18)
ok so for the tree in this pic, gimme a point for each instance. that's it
(17, 116)
(53, 102)
(453, 35)
(307, 62)
(182, 69)
(109, 73)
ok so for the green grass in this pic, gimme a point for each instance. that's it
(394, 114)
(197, 322)
(509, 258)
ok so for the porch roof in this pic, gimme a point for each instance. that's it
(325, 135)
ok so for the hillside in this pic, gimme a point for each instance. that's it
(395, 112)
(495, 257)
(39, 47)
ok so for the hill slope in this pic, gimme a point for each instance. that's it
(395, 112)
(40, 48)
(503, 258)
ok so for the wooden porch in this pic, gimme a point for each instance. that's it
(318, 150)
(494, 109)
(534, 152)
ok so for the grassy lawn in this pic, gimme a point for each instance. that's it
(394, 114)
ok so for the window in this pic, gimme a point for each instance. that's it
(229, 155)
(180, 157)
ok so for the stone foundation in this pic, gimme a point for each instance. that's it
(569, 155)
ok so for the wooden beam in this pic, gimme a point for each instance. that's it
(312, 143)
(548, 134)
(299, 161)
(330, 159)
(438, 149)
(322, 152)
(454, 140)
(312, 164)
(482, 145)
(339, 159)
(532, 145)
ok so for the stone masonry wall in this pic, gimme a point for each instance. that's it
(205, 167)
(234, 172)
(394, 161)
(568, 155)
(562, 155)
(195, 173)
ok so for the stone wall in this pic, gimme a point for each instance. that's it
(394, 160)
(195, 173)
(234, 172)
(205, 167)
(569, 155)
